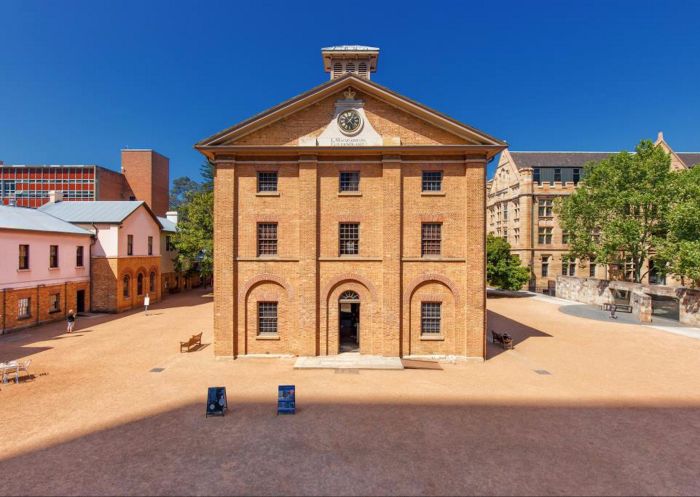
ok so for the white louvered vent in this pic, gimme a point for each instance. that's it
(350, 67)
(362, 69)
(337, 70)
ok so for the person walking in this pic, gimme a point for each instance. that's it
(70, 321)
(146, 302)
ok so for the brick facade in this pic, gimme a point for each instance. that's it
(108, 282)
(147, 174)
(40, 310)
(307, 276)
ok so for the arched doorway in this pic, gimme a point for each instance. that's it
(349, 321)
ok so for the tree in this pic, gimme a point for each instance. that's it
(194, 240)
(503, 270)
(619, 212)
(181, 187)
(679, 253)
(206, 170)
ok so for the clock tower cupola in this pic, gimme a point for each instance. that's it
(355, 59)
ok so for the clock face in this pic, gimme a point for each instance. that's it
(349, 121)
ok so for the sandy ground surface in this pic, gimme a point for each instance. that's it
(618, 413)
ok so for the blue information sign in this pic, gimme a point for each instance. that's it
(286, 403)
(216, 401)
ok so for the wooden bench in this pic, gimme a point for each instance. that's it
(618, 307)
(195, 340)
(504, 339)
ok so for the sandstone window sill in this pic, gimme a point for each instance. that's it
(23, 270)
(55, 311)
(353, 258)
(432, 259)
(79, 267)
(427, 338)
(267, 194)
(432, 194)
(267, 259)
(54, 268)
(349, 194)
(267, 337)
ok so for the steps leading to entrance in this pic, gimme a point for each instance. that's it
(348, 361)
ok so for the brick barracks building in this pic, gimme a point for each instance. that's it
(144, 176)
(350, 218)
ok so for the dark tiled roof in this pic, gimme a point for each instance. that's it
(556, 159)
(690, 158)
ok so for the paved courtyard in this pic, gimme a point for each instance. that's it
(579, 407)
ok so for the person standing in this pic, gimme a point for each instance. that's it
(146, 302)
(70, 321)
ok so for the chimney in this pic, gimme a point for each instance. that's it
(171, 216)
(55, 196)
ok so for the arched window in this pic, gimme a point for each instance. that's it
(350, 67)
(349, 296)
(152, 282)
(126, 282)
(337, 69)
(139, 284)
(362, 69)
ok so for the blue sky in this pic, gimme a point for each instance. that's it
(79, 80)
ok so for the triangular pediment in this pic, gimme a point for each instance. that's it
(506, 174)
(386, 119)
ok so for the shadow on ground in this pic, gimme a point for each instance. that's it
(518, 331)
(351, 449)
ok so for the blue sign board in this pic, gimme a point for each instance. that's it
(286, 403)
(216, 401)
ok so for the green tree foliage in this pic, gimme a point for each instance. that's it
(503, 270)
(181, 187)
(679, 253)
(194, 240)
(620, 210)
(206, 170)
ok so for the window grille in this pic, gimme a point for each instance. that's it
(55, 302)
(430, 318)
(432, 181)
(53, 256)
(24, 306)
(267, 317)
(568, 266)
(544, 236)
(24, 256)
(545, 266)
(349, 238)
(431, 238)
(267, 239)
(557, 174)
(349, 181)
(267, 181)
(536, 175)
(544, 207)
(349, 295)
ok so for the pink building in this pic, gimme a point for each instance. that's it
(44, 270)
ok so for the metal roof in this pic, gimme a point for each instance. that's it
(167, 224)
(350, 48)
(24, 218)
(556, 159)
(690, 158)
(100, 211)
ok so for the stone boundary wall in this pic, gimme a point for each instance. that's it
(598, 292)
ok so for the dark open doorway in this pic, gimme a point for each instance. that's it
(349, 322)
(80, 301)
